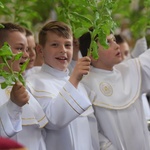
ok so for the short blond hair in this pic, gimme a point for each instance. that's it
(57, 27)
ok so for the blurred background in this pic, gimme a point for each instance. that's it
(132, 17)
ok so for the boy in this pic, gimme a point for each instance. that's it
(117, 104)
(20, 120)
(32, 54)
(31, 48)
(124, 46)
(63, 98)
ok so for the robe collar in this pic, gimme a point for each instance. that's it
(116, 89)
(54, 72)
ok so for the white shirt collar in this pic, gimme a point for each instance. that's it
(55, 72)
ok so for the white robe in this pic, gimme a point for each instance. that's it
(32, 70)
(24, 124)
(68, 110)
(118, 105)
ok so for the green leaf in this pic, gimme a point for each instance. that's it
(83, 18)
(1, 5)
(3, 85)
(5, 74)
(8, 57)
(9, 75)
(23, 67)
(2, 66)
(5, 50)
(80, 31)
(1, 26)
(10, 79)
(94, 48)
(18, 56)
(21, 79)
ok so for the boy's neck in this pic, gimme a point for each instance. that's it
(104, 67)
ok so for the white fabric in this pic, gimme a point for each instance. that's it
(32, 70)
(118, 105)
(22, 124)
(68, 109)
(71, 66)
(139, 48)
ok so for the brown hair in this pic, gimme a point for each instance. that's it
(59, 28)
(28, 32)
(120, 38)
(9, 27)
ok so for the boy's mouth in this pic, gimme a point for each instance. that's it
(21, 63)
(118, 53)
(61, 58)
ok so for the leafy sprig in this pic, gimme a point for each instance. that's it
(9, 74)
(86, 14)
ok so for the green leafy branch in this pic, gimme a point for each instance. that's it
(8, 74)
(86, 14)
(142, 21)
(20, 12)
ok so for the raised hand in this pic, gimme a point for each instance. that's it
(82, 68)
(19, 95)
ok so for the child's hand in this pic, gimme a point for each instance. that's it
(82, 68)
(19, 95)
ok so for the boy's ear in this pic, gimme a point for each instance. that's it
(39, 49)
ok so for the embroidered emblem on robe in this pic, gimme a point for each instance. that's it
(106, 88)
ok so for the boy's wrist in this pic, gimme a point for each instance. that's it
(74, 81)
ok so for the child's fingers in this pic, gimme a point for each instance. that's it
(18, 85)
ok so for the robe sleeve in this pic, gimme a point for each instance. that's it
(64, 107)
(105, 144)
(145, 68)
(10, 119)
(139, 48)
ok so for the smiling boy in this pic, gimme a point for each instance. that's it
(21, 116)
(62, 97)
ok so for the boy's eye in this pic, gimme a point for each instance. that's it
(108, 41)
(19, 48)
(27, 49)
(54, 44)
(68, 45)
(111, 40)
(114, 39)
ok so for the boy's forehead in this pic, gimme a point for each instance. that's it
(55, 36)
(16, 34)
(17, 37)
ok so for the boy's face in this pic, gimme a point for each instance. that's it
(18, 43)
(57, 51)
(125, 50)
(31, 51)
(110, 57)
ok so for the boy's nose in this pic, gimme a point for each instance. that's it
(25, 54)
(117, 45)
(63, 49)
